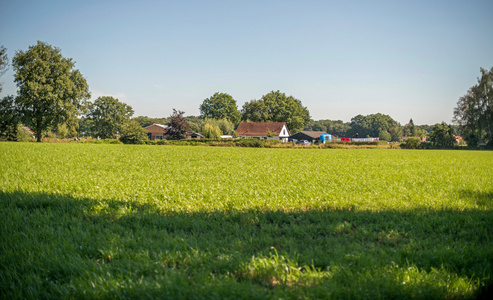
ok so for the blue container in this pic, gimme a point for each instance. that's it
(326, 138)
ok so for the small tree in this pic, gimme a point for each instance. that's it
(211, 131)
(178, 126)
(442, 136)
(385, 136)
(133, 133)
(108, 115)
(9, 118)
(411, 143)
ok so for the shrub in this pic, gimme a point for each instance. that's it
(411, 143)
(250, 143)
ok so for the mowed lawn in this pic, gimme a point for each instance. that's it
(121, 221)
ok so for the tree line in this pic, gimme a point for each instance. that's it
(53, 96)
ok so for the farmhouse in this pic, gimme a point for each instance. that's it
(156, 131)
(263, 130)
(311, 136)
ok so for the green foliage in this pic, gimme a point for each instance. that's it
(108, 115)
(442, 136)
(410, 130)
(256, 143)
(145, 121)
(384, 135)
(373, 125)
(277, 107)
(474, 111)
(51, 91)
(178, 126)
(337, 128)
(211, 131)
(62, 131)
(220, 106)
(225, 126)
(9, 119)
(411, 143)
(133, 133)
(22, 135)
(194, 122)
(187, 222)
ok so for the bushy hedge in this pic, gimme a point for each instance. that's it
(411, 143)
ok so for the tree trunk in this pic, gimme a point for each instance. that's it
(38, 132)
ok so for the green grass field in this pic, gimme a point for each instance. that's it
(120, 221)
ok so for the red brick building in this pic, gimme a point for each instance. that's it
(157, 131)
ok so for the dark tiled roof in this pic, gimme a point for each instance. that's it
(259, 128)
(313, 134)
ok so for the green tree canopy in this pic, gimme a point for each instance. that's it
(108, 116)
(145, 121)
(220, 106)
(132, 132)
(442, 136)
(225, 126)
(9, 118)
(373, 125)
(51, 91)
(409, 129)
(337, 128)
(277, 107)
(474, 111)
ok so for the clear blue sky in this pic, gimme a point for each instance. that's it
(407, 59)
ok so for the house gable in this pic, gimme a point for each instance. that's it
(157, 131)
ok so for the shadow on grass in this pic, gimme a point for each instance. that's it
(55, 246)
(482, 199)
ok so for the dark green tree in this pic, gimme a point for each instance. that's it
(409, 129)
(108, 116)
(178, 126)
(474, 111)
(277, 107)
(373, 125)
(411, 143)
(442, 136)
(4, 62)
(220, 106)
(9, 118)
(51, 91)
(133, 133)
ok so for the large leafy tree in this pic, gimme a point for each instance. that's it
(220, 106)
(375, 125)
(108, 116)
(51, 91)
(3, 62)
(277, 107)
(474, 111)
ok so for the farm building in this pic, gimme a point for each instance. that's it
(156, 131)
(195, 135)
(311, 136)
(263, 130)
